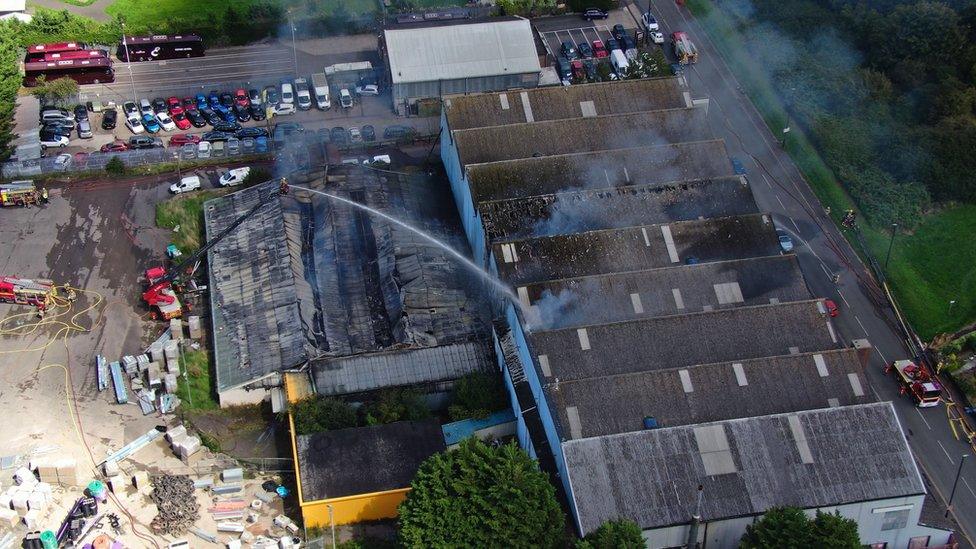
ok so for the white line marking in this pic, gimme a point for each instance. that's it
(946, 452)
(843, 298)
(824, 267)
(862, 325)
(969, 487)
(794, 223)
(883, 359)
(923, 419)
(766, 179)
(780, 200)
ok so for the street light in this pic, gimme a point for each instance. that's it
(294, 50)
(894, 227)
(128, 65)
(956, 482)
(951, 303)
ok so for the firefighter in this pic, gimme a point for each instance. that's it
(44, 195)
(835, 279)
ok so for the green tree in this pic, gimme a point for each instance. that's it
(477, 395)
(614, 534)
(115, 167)
(317, 414)
(481, 496)
(779, 528)
(832, 531)
(58, 91)
(396, 405)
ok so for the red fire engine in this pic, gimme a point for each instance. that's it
(915, 380)
(37, 292)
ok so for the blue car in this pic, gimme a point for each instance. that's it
(214, 99)
(229, 116)
(149, 121)
(202, 102)
(261, 144)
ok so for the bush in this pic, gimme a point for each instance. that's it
(115, 167)
(396, 405)
(477, 395)
(789, 528)
(317, 414)
(614, 534)
(255, 176)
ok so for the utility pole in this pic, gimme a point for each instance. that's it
(128, 65)
(294, 50)
(894, 227)
(956, 482)
(332, 523)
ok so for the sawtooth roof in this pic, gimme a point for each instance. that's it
(596, 208)
(770, 385)
(535, 176)
(816, 458)
(667, 342)
(400, 367)
(618, 131)
(470, 50)
(614, 297)
(635, 248)
(560, 102)
(363, 460)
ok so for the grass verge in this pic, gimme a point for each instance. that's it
(196, 391)
(161, 15)
(929, 267)
(184, 214)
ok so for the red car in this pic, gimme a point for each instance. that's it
(181, 139)
(240, 97)
(179, 118)
(172, 103)
(578, 71)
(115, 146)
(599, 50)
(832, 308)
(189, 103)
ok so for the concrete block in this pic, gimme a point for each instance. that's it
(169, 382)
(188, 447)
(36, 501)
(247, 537)
(229, 526)
(281, 521)
(232, 475)
(140, 480)
(6, 501)
(30, 519)
(193, 323)
(9, 518)
(116, 484)
(24, 477)
(292, 528)
(19, 501)
(171, 350)
(110, 468)
(175, 329)
(142, 361)
(175, 433)
(156, 352)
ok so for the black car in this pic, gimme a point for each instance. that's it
(60, 127)
(618, 33)
(257, 112)
(81, 113)
(271, 95)
(565, 71)
(109, 118)
(227, 100)
(289, 127)
(569, 50)
(628, 43)
(189, 104)
(227, 127)
(369, 133)
(595, 13)
(397, 132)
(196, 118)
(216, 136)
(243, 114)
(612, 44)
(254, 96)
(339, 135)
(585, 50)
(213, 118)
(590, 67)
(159, 105)
(144, 142)
(251, 132)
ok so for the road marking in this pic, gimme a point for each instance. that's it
(766, 179)
(794, 223)
(923, 419)
(969, 487)
(883, 359)
(862, 325)
(780, 200)
(946, 452)
(841, 294)
(824, 267)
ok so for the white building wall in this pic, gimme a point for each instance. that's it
(238, 397)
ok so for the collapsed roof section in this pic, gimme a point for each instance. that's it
(561, 102)
(660, 292)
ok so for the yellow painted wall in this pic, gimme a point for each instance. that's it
(354, 509)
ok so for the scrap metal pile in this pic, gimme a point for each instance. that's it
(177, 503)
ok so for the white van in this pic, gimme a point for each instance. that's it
(619, 61)
(188, 183)
(287, 95)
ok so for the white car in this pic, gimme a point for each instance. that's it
(187, 184)
(355, 136)
(369, 89)
(145, 107)
(284, 108)
(380, 159)
(650, 23)
(657, 37)
(234, 177)
(287, 96)
(785, 242)
(345, 98)
(53, 140)
(134, 124)
(62, 162)
(203, 149)
(165, 121)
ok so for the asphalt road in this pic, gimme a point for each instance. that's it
(780, 189)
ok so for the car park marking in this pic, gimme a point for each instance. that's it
(841, 294)
(923, 419)
(946, 452)
(862, 325)
(966, 482)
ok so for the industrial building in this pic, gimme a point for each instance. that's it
(429, 60)
(666, 362)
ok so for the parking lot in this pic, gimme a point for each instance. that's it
(554, 39)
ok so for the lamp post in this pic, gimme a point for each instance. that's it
(956, 482)
(294, 50)
(951, 303)
(894, 227)
(128, 65)
(332, 524)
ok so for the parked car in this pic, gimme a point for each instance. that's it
(240, 98)
(657, 37)
(737, 166)
(202, 102)
(145, 107)
(568, 50)
(618, 32)
(63, 127)
(187, 184)
(233, 146)
(382, 159)
(81, 112)
(578, 72)
(612, 44)
(785, 242)
(189, 104)
(213, 99)
(134, 124)
(227, 100)
(230, 128)
(195, 118)
(599, 50)
(345, 98)
(144, 142)
(181, 139)
(109, 119)
(229, 117)
(247, 145)
(115, 146)
(150, 123)
(189, 151)
(172, 103)
(832, 308)
(50, 112)
(257, 112)
(85, 129)
(234, 177)
(594, 13)
(62, 162)
(159, 105)
(254, 97)
(213, 118)
(270, 96)
(129, 108)
(368, 89)
(203, 149)
(287, 94)
(217, 149)
(51, 140)
(369, 133)
(180, 119)
(284, 108)
(261, 144)
(165, 122)
(650, 23)
(564, 68)
(243, 114)
(339, 136)
(251, 132)
(585, 50)
(355, 136)
(215, 136)
(397, 132)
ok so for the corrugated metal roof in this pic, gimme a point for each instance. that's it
(461, 51)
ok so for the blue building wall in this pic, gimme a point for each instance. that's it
(470, 220)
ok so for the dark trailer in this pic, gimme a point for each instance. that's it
(97, 70)
(160, 46)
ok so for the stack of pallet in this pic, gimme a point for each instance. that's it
(183, 445)
(57, 470)
(26, 500)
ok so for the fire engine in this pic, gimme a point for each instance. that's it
(164, 283)
(18, 193)
(37, 292)
(915, 380)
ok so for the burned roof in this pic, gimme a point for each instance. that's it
(254, 304)
(708, 392)
(811, 459)
(362, 460)
(667, 342)
(666, 291)
(599, 169)
(400, 367)
(618, 131)
(559, 102)
(635, 248)
(596, 208)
